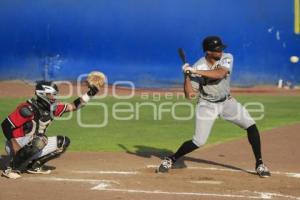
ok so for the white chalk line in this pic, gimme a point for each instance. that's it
(59, 179)
(106, 172)
(178, 193)
(288, 174)
(100, 186)
(207, 182)
(269, 195)
(260, 195)
(294, 175)
(105, 185)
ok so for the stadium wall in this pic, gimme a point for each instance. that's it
(137, 40)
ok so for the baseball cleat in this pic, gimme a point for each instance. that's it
(10, 173)
(38, 170)
(263, 171)
(165, 165)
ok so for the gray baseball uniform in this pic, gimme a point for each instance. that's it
(215, 100)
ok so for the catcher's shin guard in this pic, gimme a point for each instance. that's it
(38, 163)
(62, 144)
(23, 156)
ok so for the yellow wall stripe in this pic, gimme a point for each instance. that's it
(297, 16)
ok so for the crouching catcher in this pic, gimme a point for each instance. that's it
(27, 145)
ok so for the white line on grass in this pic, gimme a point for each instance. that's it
(106, 172)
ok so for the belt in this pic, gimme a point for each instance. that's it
(220, 100)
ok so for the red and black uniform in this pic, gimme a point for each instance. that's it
(26, 118)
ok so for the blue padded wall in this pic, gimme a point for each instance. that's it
(137, 40)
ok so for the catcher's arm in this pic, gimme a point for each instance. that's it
(95, 81)
(81, 101)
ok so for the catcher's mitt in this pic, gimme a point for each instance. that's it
(96, 79)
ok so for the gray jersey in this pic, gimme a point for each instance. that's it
(212, 89)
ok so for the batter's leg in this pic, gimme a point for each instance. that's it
(234, 112)
(206, 115)
(254, 140)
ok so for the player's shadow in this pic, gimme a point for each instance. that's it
(148, 152)
(3, 162)
(209, 162)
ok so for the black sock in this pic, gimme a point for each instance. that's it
(184, 149)
(254, 140)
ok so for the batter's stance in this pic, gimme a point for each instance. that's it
(210, 76)
(25, 130)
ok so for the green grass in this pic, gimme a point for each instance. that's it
(147, 133)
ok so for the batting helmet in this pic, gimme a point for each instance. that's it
(213, 43)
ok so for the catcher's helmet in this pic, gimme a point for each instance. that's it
(42, 90)
(213, 43)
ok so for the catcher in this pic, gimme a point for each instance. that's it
(27, 145)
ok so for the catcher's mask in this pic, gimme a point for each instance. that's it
(46, 92)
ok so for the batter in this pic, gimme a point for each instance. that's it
(210, 79)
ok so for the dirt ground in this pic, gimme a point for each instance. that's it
(220, 171)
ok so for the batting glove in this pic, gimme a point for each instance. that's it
(186, 68)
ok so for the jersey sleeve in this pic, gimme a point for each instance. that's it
(196, 80)
(60, 109)
(227, 62)
(195, 83)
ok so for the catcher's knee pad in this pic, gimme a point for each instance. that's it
(39, 142)
(63, 142)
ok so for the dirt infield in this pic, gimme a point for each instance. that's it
(222, 171)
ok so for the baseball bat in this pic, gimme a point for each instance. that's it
(183, 59)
